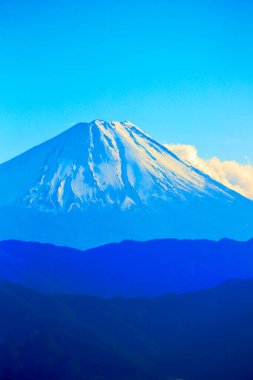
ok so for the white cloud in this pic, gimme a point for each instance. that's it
(232, 174)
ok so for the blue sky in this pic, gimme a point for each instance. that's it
(181, 70)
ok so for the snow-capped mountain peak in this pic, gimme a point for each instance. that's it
(104, 181)
(110, 163)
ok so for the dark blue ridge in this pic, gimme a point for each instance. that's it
(128, 268)
(195, 336)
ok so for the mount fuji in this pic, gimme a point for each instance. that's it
(103, 182)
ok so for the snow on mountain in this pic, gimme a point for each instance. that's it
(112, 171)
(108, 163)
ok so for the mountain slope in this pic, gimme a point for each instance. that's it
(129, 268)
(107, 163)
(113, 172)
(203, 335)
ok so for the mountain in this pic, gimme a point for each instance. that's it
(102, 182)
(203, 335)
(129, 268)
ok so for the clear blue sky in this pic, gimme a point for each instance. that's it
(181, 70)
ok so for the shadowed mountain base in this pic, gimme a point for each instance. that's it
(204, 335)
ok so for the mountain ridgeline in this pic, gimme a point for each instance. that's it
(126, 269)
(102, 182)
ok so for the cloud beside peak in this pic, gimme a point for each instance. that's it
(236, 176)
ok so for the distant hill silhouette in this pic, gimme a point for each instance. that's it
(204, 335)
(126, 269)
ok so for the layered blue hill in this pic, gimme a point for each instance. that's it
(203, 335)
(126, 269)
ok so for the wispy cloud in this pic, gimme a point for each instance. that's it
(231, 173)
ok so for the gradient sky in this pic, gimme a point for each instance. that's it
(181, 70)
